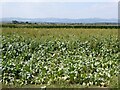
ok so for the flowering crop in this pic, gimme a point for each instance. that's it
(27, 61)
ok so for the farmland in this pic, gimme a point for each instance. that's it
(70, 56)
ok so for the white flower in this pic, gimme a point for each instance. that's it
(43, 87)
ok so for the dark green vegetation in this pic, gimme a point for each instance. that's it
(60, 26)
(85, 57)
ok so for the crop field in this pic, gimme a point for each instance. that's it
(83, 57)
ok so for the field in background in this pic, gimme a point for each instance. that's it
(62, 33)
(60, 56)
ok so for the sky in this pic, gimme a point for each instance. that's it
(72, 9)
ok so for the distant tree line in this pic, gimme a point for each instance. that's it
(66, 24)
(58, 26)
(18, 22)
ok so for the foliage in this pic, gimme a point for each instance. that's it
(27, 25)
(29, 61)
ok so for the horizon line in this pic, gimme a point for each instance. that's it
(57, 18)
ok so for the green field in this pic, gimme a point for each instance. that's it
(60, 57)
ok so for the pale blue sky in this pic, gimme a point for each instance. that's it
(60, 9)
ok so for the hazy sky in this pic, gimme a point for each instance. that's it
(60, 9)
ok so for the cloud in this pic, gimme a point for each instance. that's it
(60, 10)
(59, 1)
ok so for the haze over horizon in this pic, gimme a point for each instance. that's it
(69, 10)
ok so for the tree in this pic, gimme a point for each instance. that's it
(15, 22)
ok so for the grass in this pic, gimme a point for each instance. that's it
(61, 33)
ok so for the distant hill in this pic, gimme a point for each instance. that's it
(60, 20)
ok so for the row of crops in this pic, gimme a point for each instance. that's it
(29, 61)
(58, 26)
